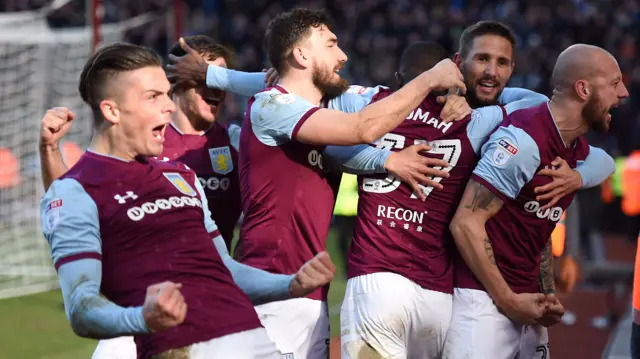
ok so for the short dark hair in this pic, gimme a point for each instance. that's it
(287, 29)
(207, 48)
(420, 57)
(106, 64)
(484, 28)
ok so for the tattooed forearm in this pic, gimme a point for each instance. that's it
(489, 249)
(482, 197)
(545, 277)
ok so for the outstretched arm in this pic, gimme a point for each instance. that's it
(237, 82)
(261, 286)
(330, 127)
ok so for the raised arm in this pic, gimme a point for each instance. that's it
(261, 286)
(330, 127)
(237, 82)
(70, 225)
(53, 126)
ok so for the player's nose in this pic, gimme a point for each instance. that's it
(624, 93)
(342, 57)
(170, 106)
(490, 69)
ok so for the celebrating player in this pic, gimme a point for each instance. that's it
(413, 63)
(139, 231)
(496, 281)
(400, 263)
(285, 189)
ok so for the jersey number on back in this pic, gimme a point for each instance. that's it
(450, 149)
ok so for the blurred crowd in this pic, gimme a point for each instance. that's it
(373, 33)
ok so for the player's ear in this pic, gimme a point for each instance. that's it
(583, 89)
(399, 79)
(110, 111)
(300, 57)
(457, 59)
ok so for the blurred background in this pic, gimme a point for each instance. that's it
(44, 44)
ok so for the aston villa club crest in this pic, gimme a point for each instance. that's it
(181, 184)
(221, 160)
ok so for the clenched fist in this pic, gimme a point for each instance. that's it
(314, 274)
(164, 306)
(54, 125)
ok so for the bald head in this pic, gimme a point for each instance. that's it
(582, 62)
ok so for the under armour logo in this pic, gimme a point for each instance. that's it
(123, 199)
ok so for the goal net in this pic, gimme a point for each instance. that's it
(39, 69)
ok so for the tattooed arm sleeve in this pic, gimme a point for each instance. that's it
(70, 225)
(498, 177)
(478, 205)
(546, 280)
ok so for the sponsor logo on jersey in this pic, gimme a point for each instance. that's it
(553, 214)
(52, 214)
(504, 151)
(214, 183)
(123, 199)
(148, 208)
(180, 183)
(401, 214)
(288, 356)
(315, 159)
(221, 160)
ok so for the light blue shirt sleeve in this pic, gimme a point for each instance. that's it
(234, 135)
(237, 82)
(91, 315)
(260, 286)
(276, 117)
(596, 168)
(355, 98)
(513, 94)
(70, 225)
(70, 221)
(358, 160)
(485, 119)
(509, 160)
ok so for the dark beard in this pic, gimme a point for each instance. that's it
(475, 102)
(329, 90)
(595, 114)
(472, 96)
